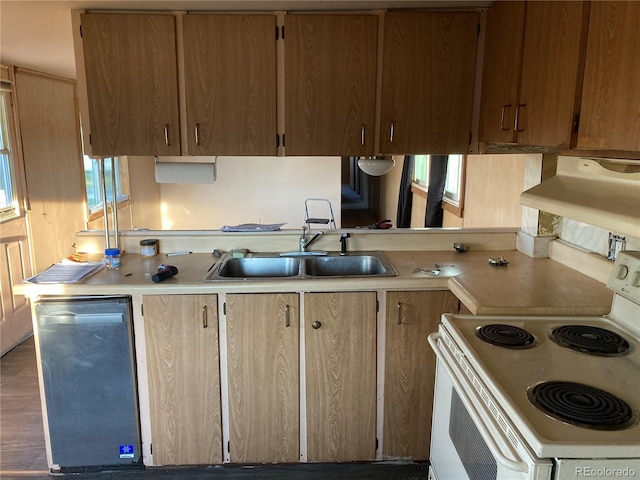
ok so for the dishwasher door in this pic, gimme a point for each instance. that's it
(88, 369)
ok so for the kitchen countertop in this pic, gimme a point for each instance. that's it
(529, 286)
(524, 286)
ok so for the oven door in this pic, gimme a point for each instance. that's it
(467, 442)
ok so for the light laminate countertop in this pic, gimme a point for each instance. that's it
(524, 286)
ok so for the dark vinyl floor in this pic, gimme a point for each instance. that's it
(22, 450)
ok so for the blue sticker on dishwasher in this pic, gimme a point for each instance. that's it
(127, 451)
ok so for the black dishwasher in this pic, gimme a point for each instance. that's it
(86, 355)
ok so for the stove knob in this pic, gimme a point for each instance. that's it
(623, 271)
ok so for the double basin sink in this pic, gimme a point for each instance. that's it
(300, 265)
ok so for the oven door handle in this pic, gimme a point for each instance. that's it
(513, 465)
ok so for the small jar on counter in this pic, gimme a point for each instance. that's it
(149, 247)
(112, 258)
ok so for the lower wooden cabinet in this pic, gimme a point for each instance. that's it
(265, 383)
(263, 369)
(410, 370)
(340, 366)
(181, 335)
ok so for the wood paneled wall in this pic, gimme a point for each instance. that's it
(48, 124)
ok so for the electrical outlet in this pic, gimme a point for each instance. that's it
(617, 244)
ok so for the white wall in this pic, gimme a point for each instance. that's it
(253, 190)
(492, 192)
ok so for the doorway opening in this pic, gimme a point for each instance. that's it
(360, 196)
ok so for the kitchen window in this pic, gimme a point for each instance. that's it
(454, 183)
(93, 182)
(421, 164)
(8, 193)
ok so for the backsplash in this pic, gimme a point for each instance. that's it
(594, 239)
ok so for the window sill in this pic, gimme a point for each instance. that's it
(447, 204)
(9, 215)
(100, 213)
(419, 190)
(454, 208)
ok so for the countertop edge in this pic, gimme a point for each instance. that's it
(465, 275)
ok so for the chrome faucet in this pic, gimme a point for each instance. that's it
(304, 242)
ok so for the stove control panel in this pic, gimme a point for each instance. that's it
(625, 276)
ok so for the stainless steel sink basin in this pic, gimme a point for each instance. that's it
(265, 266)
(348, 266)
(260, 267)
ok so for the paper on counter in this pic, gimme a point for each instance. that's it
(67, 272)
(253, 227)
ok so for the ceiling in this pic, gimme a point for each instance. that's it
(36, 34)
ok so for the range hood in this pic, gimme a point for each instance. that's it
(603, 193)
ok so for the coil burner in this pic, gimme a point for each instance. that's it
(582, 405)
(590, 340)
(508, 336)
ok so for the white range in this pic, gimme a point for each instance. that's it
(541, 398)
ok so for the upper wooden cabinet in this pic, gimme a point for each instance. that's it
(330, 84)
(429, 61)
(501, 71)
(131, 76)
(532, 72)
(610, 111)
(230, 83)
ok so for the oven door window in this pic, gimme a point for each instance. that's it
(467, 440)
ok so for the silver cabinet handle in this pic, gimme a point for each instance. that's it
(399, 313)
(392, 129)
(205, 320)
(287, 316)
(316, 325)
(362, 136)
(166, 135)
(502, 110)
(516, 127)
(197, 133)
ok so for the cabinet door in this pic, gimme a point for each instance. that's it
(181, 333)
(131, 76)
(410, 370)
(531, 72)
(501, 71)
(340, 359)
(609, 116)
(230, 82)
(427, 82)
(263, 363)
(551, 68)
(330, 81)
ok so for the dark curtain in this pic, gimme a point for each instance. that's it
(437, 176)
(405, 197)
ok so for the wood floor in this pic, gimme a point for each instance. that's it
(22, 450)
